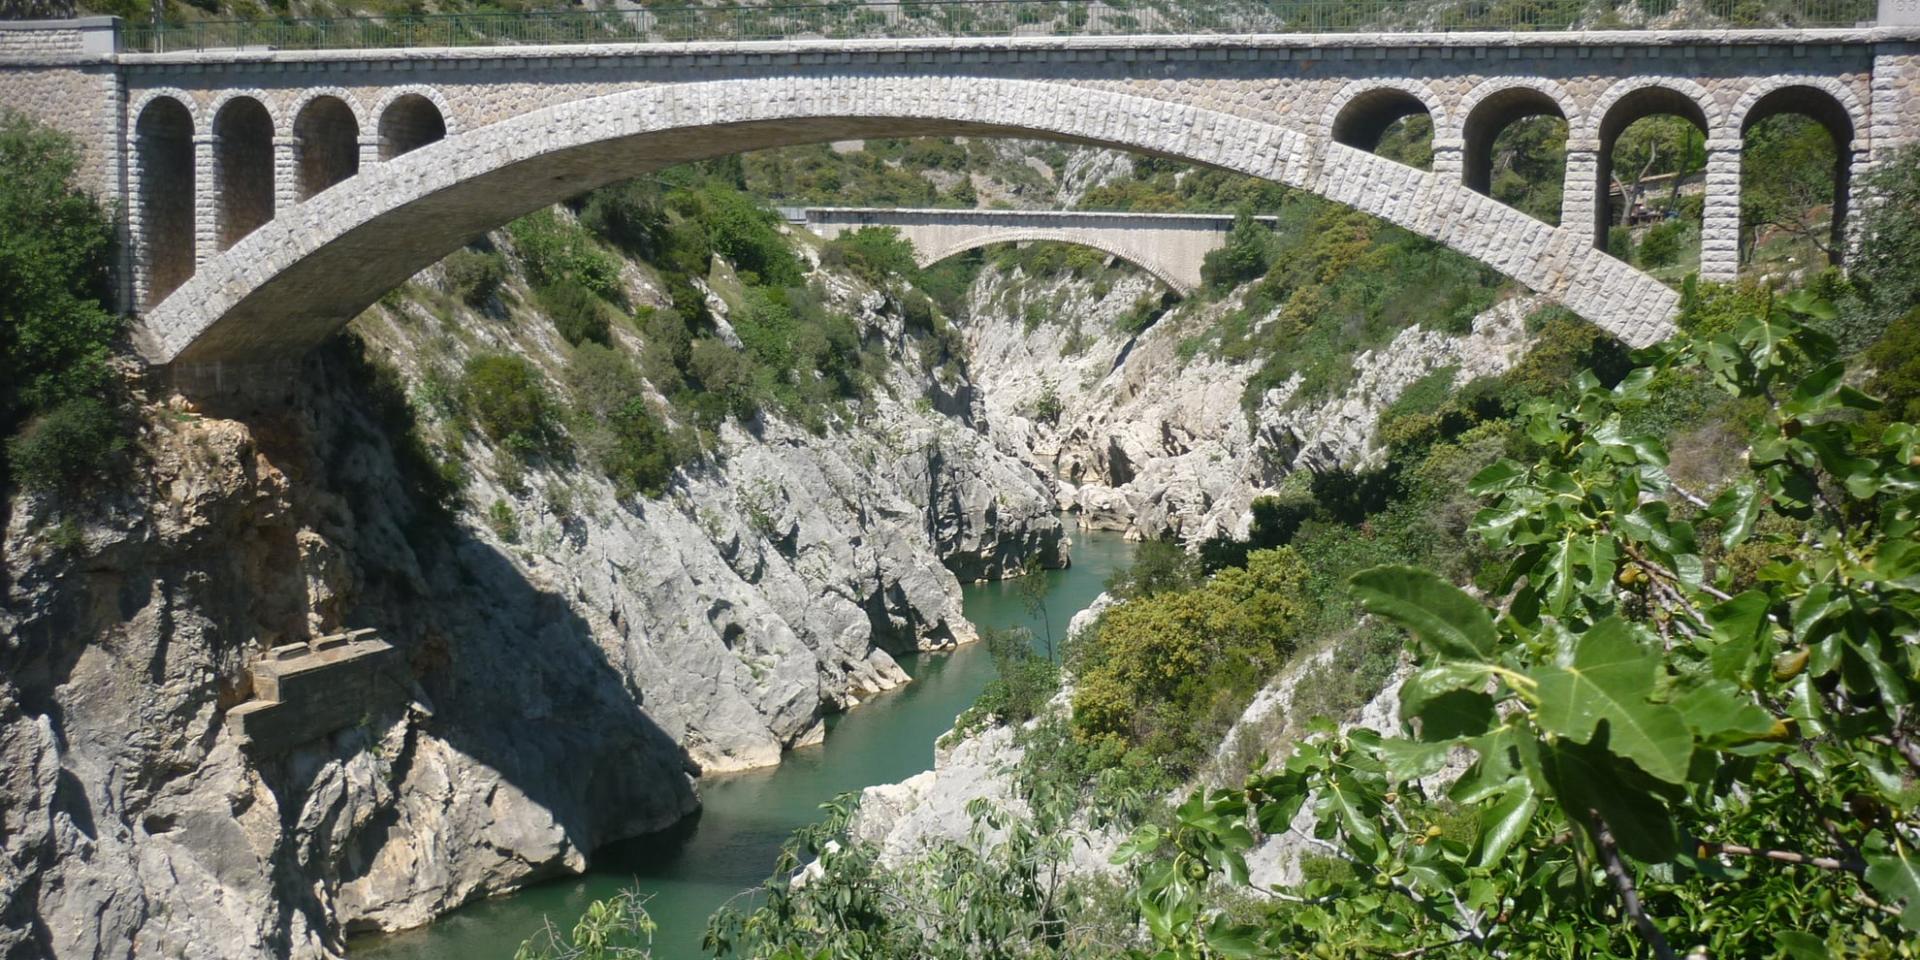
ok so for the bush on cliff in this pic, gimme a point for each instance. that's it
(508, 399)
(56, 337)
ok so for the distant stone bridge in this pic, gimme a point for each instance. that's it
(1170, 246)
(270, 196)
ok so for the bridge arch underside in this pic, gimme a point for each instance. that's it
(1181, 278)
(299, 278)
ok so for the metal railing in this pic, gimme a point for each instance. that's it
(856, 19)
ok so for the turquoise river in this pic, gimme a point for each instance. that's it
(731, 845)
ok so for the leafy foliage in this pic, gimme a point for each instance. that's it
(875, 254)
(1691, 742)
(1170, 670)
(55, 336)
(474, 276)
(508, 399)
(556, 251)
(1247, 254)
(69, 444)
(618, 928)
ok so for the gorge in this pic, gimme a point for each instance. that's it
(1457, 546)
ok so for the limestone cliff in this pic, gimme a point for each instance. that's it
(573, 658)
(1143, 433)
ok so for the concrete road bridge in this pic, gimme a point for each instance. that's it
(1170, 246)
(270, 195)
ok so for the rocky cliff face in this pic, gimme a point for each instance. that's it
(1144, 434)
(573, 658)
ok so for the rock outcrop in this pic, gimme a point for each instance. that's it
(573, 658)
(1144, 434)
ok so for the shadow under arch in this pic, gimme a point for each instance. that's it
(299, 278)
(1159, 270)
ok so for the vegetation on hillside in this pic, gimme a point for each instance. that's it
(1686, 676)
(642, 387)
(59, 394)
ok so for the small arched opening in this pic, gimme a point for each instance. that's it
(163, 151)
(1515, 151)
(1796, 144)
(410, 122)
(1390, 122)
(243, 164)
(328, 140)
(1652, 186)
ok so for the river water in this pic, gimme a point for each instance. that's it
(731, 845)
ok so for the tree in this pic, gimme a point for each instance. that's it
(1890, 236)
(1786, 175)
(1662, 145)
(1529, 166)
(56, 337)
(1246, 255)
(1033, 589)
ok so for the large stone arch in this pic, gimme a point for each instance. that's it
(297, 280)
(1168, 273)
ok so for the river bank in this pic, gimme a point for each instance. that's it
(730, 846)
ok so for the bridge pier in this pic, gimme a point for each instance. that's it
(206, 199)
(1579, 194)
(1720, 215)
(286, 172)
(1449, 158)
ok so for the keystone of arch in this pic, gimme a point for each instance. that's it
(306, 273)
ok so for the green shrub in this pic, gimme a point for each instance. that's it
(1247, 254)
(67, 446)
(644, 454)
(628, 215)
(1169, 671)
(504, 524)
(556, 251)
(738, 228)
(1620, 244)
(1023, 680)
(1661, 246)
(56, 338)
(875, 254)
(508, 398)
(473, 276)
(577, 313)
(1895, 360)
(616, 424)
(668, 344)
(726, 380)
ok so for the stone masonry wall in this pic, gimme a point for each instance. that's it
(1303, 86)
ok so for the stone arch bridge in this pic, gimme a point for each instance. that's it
(1170, 246)
(270, 196)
